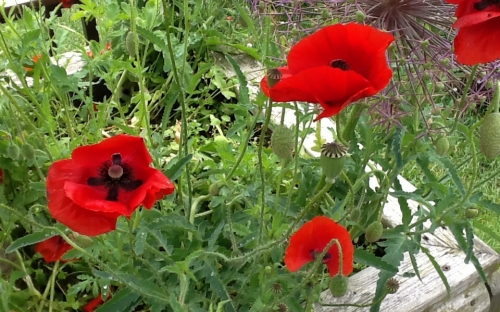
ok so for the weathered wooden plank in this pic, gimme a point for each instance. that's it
(468, 293)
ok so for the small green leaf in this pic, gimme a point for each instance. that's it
(446, 163)
(243, 96)
(30, 239)
(215, 235)
(415, 265)
(175, 170)
(124, 300)
(403, 204)
(438, 269)
(364, 257)
(218, 286)
(140, 241)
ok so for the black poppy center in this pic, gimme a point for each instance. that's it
(483, 4)
(326, 257)
(340, 64)
(115, 175)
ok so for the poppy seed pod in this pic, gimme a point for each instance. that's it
(282, 142)
(489, 136)
(471, 213)
(392, 285)
(374, 231)
(332, 160)
(338, 285)
(442, 146)
(273, 77)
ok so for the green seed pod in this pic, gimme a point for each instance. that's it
(214, 188)
(374, 231)
(442, 146)
(471, 213)
(282, 142)
(13, 152)
(131, 42)
(392, 285)
(27, 151)
(355, 214)
(268, 270)
(489, 136)
(332, 160)
(360, 16)
(338, 285)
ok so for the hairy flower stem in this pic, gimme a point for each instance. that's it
(262, 138)
(183, 145)
(194, 209)
(350, 126)
(464, 97)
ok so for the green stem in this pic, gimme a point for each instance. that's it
(262, 138)
(464, 97)
(52, 284)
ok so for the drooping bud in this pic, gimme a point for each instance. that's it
(471, 212)
(13, 152)
(283, 142)
(131, 42)
(355, 214)
(338, 285)
(374, 231)
(332, 160)
(489, 136)
(273, 77)
(392, 285)
(27, 151)
(442, 146)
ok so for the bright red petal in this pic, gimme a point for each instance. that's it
(53, 249)
(132, 149)
(285, 73)
(475, 18)
(93, 304)
(312, 238)
(154, 188)
(331, 87)
(479, 43)
(362, 47)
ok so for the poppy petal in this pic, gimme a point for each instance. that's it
(475, 18)
(53, 249)
(132, 149)
(478, 43)
(362, 47)
(312, 238)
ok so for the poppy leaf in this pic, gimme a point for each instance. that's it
(438, 269)
(175, 305)
(415, 266)
(141, 285)
(243, 97)
(152, 37)
(215, 235)
(403, 204)
(30, 239)
(140, 241)
(175, 170)
(218, 286)
(447, 164)
(124, 300)
(364, 257)
(469, 234)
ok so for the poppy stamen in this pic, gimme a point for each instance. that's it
(115, 175)
(340, 64)
(483, 4)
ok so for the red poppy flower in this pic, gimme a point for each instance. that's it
(478, 35)
(36, 58)
(101, 182)
(94, 303)
(53, 249)
(312, 238)
(1, 176)
(334, 67)
(67, 3)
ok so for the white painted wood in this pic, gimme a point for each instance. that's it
(468, 293)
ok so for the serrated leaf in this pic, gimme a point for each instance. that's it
(152, 37)
(158, 235)
(403, 204)
(487, 230)
(102, 274)
(141, 286)
(446, 163)
(414, 265)
(215, 235)
(490, 206)
(218, 286)
(396, 149)
(175, 305)
(175, 170)
(423, 162)
(140, 241)
(174, 221)
(438, 269)
(469, 235)
(125, 300)
(243, 95)
(30, 239)
(364, 257)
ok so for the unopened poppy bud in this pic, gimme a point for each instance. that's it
(424, 44)
(273, 77)
(214, 188)
(360, 16)
(471, 213)
(338, 285)
(374, 231)
(445, 61)
(332, 160)
(392, 285)
(82, 240)
(355, 214)
(131, 42)
(27, 151)
(489, 135)
(442, 146)
(268, 270)
(439, 86)
(13, 152)
(283, 142)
